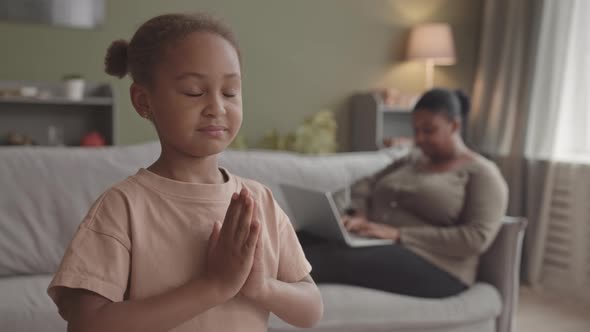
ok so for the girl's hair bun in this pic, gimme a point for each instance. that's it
(115, 60)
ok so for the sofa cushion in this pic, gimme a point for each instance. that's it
(25, 306)
(350, 308)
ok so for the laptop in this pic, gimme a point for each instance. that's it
(317, 213)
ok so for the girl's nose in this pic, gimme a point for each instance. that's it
(214, 106)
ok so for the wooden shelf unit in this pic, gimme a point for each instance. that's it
(37, 116)
(372, 122)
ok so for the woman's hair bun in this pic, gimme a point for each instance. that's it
(464, 101)
(115, 61)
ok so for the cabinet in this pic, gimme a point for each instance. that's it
(49, 118)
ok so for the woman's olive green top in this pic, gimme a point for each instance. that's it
(449, 218)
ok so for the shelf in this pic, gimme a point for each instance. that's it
(89, 101)
(32, 117)
(372, 122)
(394, 109)
(397, 111)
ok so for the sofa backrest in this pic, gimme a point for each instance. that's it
(322, 173)
(46, 192)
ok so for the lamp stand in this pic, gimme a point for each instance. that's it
(429, 64)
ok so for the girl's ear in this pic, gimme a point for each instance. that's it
(140, 100)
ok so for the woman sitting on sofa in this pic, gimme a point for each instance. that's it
(442, 207)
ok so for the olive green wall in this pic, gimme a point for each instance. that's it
(300, 56)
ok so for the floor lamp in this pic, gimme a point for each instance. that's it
(432, 43)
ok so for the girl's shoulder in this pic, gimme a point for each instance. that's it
(109, 215)
(117, 194)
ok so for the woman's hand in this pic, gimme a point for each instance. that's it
(352, 223)
(362, 226)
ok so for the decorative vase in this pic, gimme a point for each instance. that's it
(74, 88)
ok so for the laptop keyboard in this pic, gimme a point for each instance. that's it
(354, 237)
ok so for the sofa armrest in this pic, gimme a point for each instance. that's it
(500, 267)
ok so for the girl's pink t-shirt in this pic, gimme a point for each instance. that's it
(148, 235)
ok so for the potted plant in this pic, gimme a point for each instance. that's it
(74, 86)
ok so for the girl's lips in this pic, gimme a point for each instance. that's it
(212, 128)
(213, 131)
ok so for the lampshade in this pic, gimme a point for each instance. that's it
(432, 42)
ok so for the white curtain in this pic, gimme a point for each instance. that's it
(558, 128)
(559, 116)
(573, 130)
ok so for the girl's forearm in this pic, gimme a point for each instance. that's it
(159, 313)
(304, 295)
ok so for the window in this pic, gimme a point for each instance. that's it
(573, 119)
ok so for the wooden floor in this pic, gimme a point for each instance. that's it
(543, 312)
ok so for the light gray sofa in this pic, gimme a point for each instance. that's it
(45, 192)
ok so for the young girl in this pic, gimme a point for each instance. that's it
(162, 250)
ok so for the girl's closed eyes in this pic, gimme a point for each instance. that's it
(199, 93)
